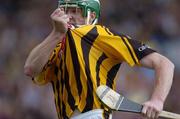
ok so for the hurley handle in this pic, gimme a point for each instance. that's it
(169, 115)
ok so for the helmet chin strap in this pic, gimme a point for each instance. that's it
(95, 21)
(88, 17)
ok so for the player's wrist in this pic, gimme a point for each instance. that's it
(57, 33)
(56, 36)
(157, 99)
(158, 102)
(60, 29)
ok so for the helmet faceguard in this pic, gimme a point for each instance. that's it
(87, 6)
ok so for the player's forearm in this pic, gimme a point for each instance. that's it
(164, 76)
(40, 54)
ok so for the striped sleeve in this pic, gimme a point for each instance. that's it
(49, 71)
(121, 47)
(136, 49)
(141, 50)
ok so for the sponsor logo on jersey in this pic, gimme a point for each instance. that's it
(143, 47)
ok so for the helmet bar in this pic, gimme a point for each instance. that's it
(68, 5)
(71, 4)
(87, 7)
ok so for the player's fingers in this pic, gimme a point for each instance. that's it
(62, 9)
(157, 114)
(149, 113)
(64, 19)
(153, 114)
(61, 13)
(57, 13)
(144, 110)
(65, 16)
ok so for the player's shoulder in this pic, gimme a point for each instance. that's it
(100, 30)
(112, 31)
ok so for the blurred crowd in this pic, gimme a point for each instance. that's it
(24, 24)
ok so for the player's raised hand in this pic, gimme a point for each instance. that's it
(152, 108)
(60, 20)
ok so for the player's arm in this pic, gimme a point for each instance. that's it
(41, 53)
(164, 70)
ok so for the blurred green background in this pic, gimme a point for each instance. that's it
(24, 24)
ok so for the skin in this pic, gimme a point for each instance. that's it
(39, 56)
(164, 70)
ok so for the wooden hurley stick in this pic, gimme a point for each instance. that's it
(117, 102)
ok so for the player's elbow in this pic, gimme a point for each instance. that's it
(28, 70)
(169, 64)
(165, 63)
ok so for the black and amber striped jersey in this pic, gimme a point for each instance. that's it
(89, 56)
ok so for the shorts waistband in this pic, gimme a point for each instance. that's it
(95, 114)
